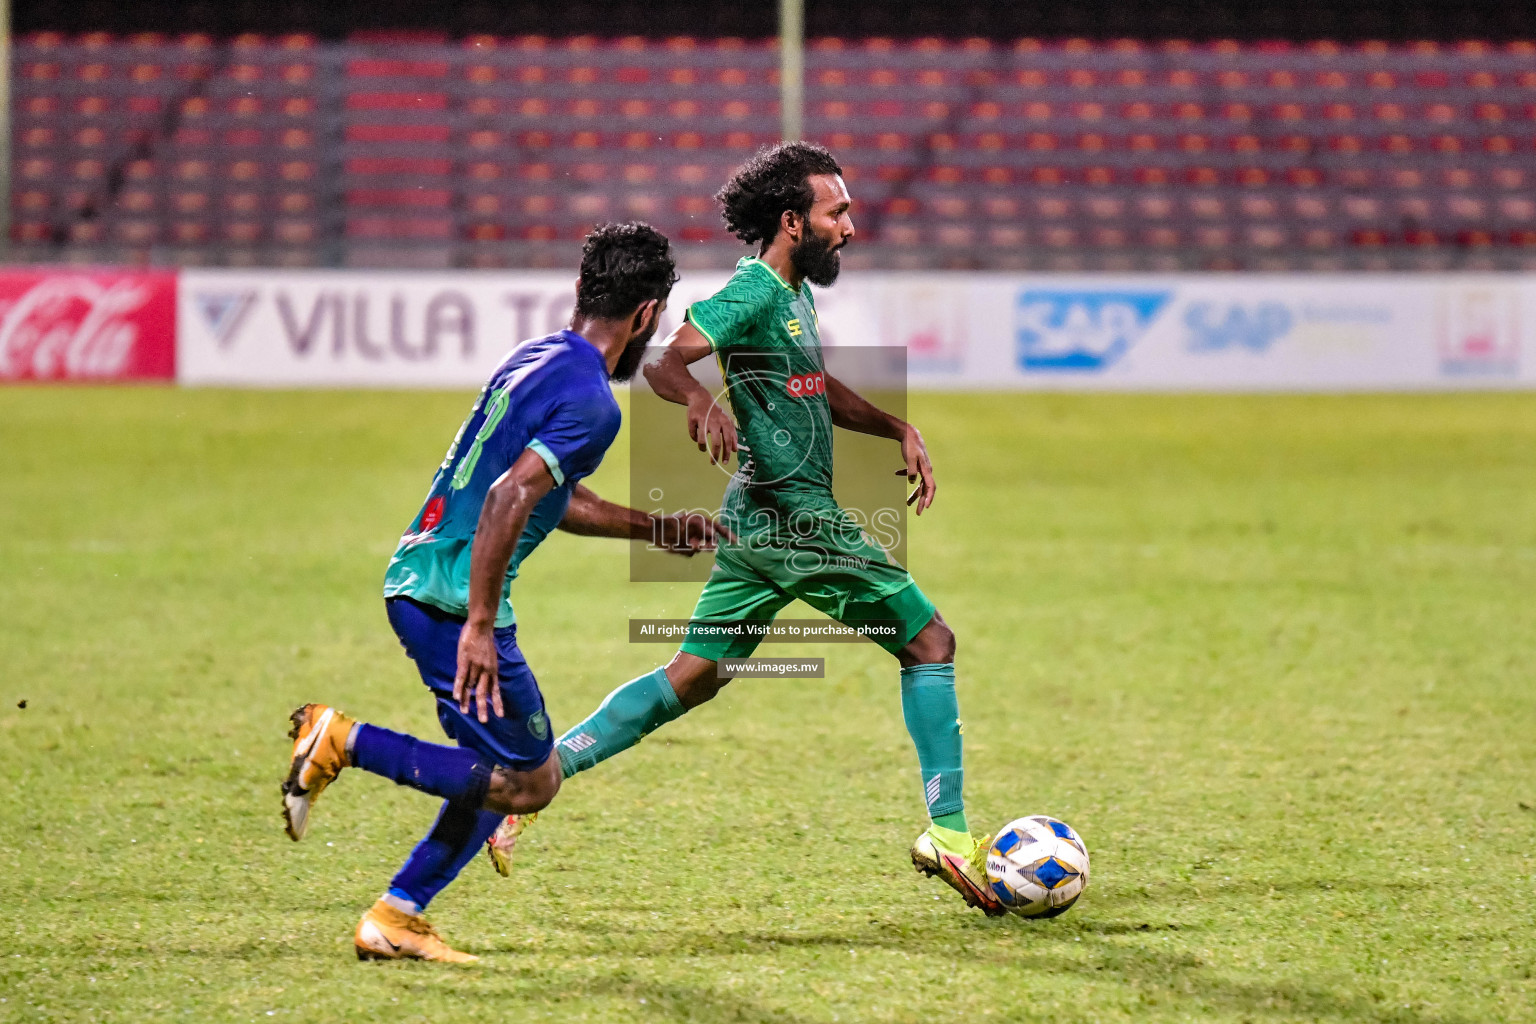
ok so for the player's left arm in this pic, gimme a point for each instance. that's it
(852, 412)
(591, 516)
(503, 516)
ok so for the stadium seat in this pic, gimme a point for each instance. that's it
(1113, 145)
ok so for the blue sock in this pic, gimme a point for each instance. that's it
(457, 775)
(456, 837)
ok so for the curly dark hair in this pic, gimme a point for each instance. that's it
(771, 182)
(623, 265)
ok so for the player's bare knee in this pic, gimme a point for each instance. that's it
(934, 645)
(695, 680)
(944, 637)
(513, 792)
(501, 795)
(544, 783)
(699, 691)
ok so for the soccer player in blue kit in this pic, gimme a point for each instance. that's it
(540, 425)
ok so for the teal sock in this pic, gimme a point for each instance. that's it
(932, 714)
(625, 716)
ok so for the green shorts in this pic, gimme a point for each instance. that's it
(848, 579)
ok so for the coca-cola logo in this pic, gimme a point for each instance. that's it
(68, 327)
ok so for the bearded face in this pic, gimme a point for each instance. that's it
(816, 259)
(634, 352)
(629, 359)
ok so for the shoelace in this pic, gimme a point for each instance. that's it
(978, 857)
(505, 837)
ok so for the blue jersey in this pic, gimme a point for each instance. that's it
(552, 397)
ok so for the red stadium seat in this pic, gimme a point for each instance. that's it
(1209, 236)
(33, 201)
(87, 231)
(189, 202)
(485, 231)
(137, 231)
(398, 125)
(295, 232)
(191, 232)
(397, 165)
(32, 231)
(412, 198)
(429, 134)
(87, 170)
(243, 232)
(397, 101)
(38, 138)
(398, 227)
(1266, 236)
(137, 201)
(1006, 236)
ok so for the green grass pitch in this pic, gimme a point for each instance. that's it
(1274, 657)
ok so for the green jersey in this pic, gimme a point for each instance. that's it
(764, 334)
(792, 539)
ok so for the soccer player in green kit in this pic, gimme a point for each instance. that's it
(791, 539)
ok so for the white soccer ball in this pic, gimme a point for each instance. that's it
(1037, 866)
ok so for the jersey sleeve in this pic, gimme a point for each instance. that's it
(727, 317)
(576, 434)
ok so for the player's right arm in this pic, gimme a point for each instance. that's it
(681, 533)
(508, 504)
(710, 426)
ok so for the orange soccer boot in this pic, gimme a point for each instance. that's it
(388, 933)
(319, 737)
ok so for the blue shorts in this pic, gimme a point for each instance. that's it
(521, 740)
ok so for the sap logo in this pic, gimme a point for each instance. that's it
(1216, 328)
(1081, 331)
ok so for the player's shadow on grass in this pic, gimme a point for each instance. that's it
(645, 999)
(701, 942)
(1179, 975)
(1161, 976)
(1128, 927)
